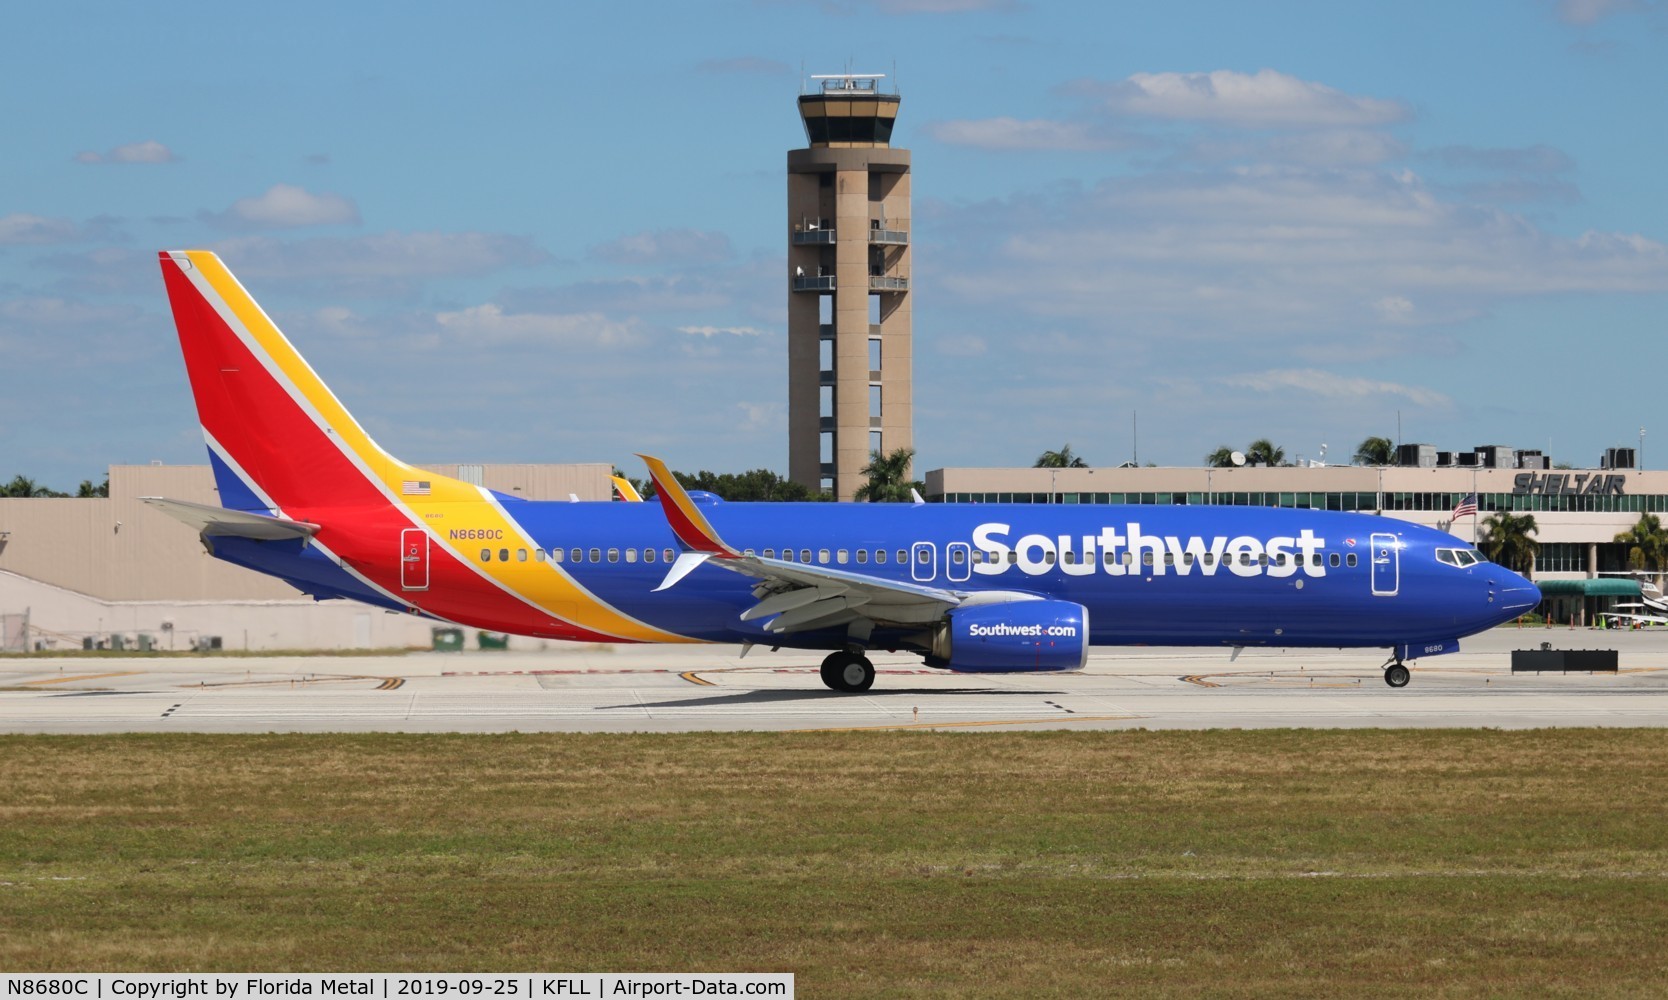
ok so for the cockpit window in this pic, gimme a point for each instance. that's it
(1459, 557)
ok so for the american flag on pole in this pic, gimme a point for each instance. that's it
(1467, 507)
(415, 487)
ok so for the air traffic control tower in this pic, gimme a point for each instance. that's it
(848, 267)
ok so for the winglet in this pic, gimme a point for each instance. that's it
(688, 523)
(627, 492)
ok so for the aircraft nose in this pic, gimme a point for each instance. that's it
(1514, 594)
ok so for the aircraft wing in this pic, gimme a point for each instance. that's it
(219, 522)
(798, 596)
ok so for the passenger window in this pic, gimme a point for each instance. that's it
(648, 555)
(1126, 558)
(822, 556)
(1146, 558)
(862, 556)
(1245, 558)
(924, 556)
(503, 555)
(1070, 557)
(520, 555)
(1169, 558)
(1013, 557)
(1048, 557)
(486, 555)
(770, 553)
(958, 556)
(903, 557)
(804, 555)
(1210, 558)
(631, 555)
(787, 555)
(538, 555)
(596, 555)
(1187, 558)
(841, 556)
(666, 555)
(556, 555)
(880, 555)
(1333, 560)
(1108, 557)
(1350, 561)
(613, 555)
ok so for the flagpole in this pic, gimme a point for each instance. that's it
(1476, 511)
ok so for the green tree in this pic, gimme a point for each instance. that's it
(1647, 544)
(1375, 451)
(888, 477)
(87, 489)
(1265, 452)
(1508, 539)
(1062, 459)
(23, 486)
(1221, 458)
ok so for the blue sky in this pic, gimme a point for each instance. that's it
(547, 232)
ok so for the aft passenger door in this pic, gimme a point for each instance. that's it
(1386, 556)
(414, 559)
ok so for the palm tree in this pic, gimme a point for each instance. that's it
(1375, 451)
(87, 488)
(888, 477)
(1508, 540)
(23, 486)
(1062, 459)
(1221, 458)
(1647, 544)
(1265, 452)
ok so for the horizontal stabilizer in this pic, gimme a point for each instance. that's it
(217, 522)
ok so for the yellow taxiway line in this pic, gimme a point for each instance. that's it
(82, 677)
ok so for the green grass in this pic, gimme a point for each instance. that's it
(1378, 863)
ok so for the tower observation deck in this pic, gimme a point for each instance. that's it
(849, 353)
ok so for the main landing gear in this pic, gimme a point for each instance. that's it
(1395, 674)
(849, 670)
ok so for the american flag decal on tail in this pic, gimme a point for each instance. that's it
(415, 487)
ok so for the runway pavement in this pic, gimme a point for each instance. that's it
(689, 688)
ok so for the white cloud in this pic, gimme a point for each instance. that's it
(21, 228)
(489, 323)
(1315, 148)
(1332, 386)
(285, 206)
(1020, 134)
(1590, 11)
(1281, 252)
(1265, 99)
(665, 246)
(149, 151)
(375, 262)
(713, 331)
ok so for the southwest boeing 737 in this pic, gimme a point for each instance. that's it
(308, 497)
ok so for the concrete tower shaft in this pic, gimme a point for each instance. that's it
(849, 352)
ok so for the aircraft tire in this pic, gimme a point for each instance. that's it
(847, 671)
(1397, 675)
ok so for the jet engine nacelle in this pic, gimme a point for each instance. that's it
(1013, 637)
